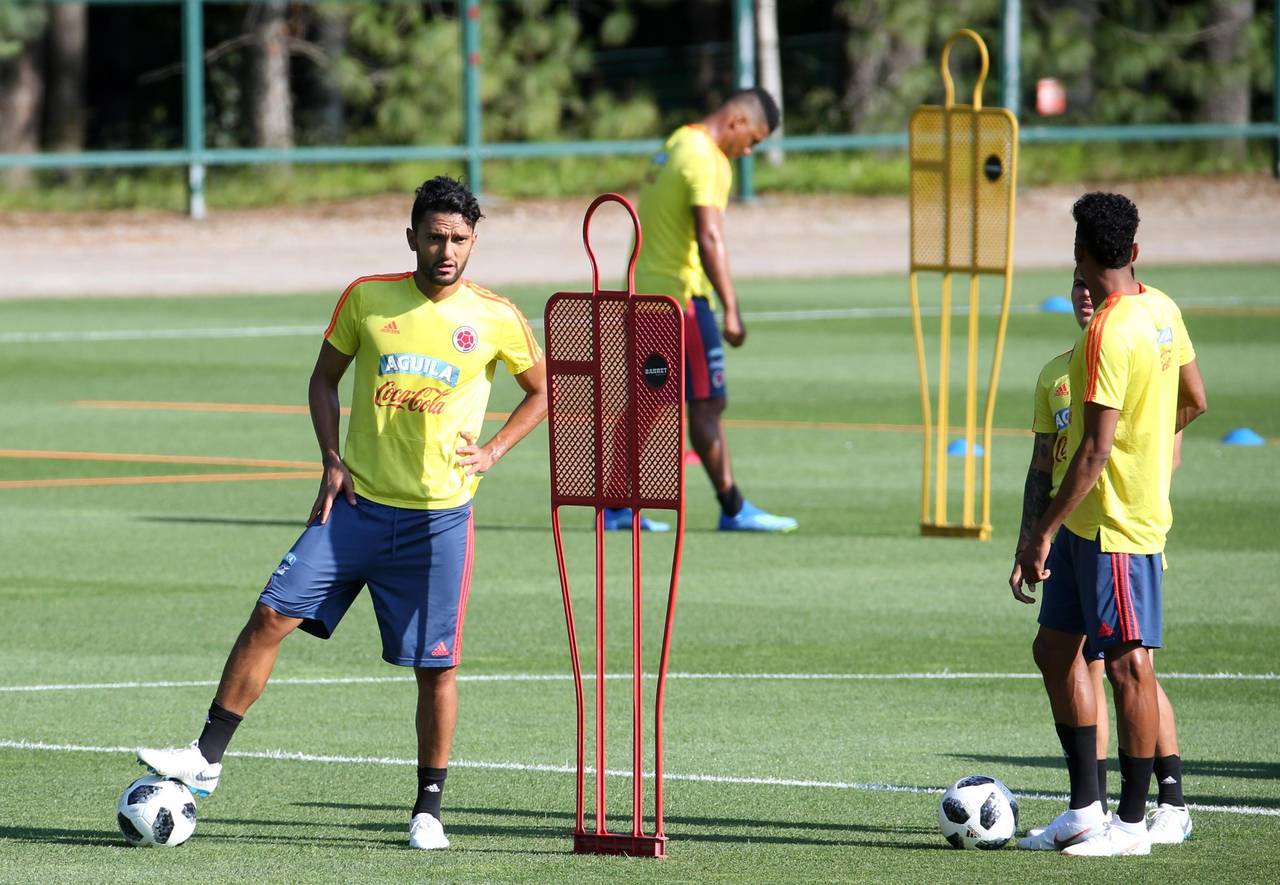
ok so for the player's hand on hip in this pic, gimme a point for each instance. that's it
(335, 481)
(734, 332)
(1015, 584)
(474, 459)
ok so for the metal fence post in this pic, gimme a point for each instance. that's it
(193, 103)
(471, 91)
(1010, 57)
(744, 77)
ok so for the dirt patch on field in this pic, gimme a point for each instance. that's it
(321, 248)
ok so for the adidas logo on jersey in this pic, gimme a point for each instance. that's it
(441, 650)
(391, 328)
(1062, 390)
(1105, 631)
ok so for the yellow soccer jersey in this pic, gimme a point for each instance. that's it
(689, 171)
(423, 371)
(1053, 411)
(1127, 358)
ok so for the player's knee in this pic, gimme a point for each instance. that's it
(1052, 654)
(1129, 666)
(267, 624)
(435, 678)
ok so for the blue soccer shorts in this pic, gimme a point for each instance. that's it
(1109, 598)
(703, 352)
(416, 563)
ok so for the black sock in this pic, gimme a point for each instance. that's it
(1080, 746)
(730, 500)
(1169, 781)
(430, 790)
(1102, 782)
(219, 726)
(1135, 781)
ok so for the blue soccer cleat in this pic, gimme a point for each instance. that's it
(752, 519)
(618, 519)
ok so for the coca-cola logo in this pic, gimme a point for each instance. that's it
(429, 400)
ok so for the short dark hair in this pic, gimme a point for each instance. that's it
(768, 107)
(447, 195)
(1105, 226)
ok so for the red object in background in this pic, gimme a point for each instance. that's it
(615, 371)
(1051, 97)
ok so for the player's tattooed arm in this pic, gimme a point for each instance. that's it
(1035, 500)
(1038, 487)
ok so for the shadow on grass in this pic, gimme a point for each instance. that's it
(1190, 767)
(730, 829)
(238, 521)
(52, 836)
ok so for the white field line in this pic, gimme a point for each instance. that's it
(761, 316)
(565, 677)
(292, 756)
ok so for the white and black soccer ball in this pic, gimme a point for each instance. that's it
(978, 812)
(156, 811)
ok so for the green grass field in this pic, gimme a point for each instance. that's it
(109, 590)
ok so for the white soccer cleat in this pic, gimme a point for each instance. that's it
(1036, 831)
(426, 833)
(1169, 825)
(1117, 839)
(186, 764)
(1068, 828)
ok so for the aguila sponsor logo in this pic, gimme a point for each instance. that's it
(430, 400)
(419, 364)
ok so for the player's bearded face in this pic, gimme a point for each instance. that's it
(443, 242)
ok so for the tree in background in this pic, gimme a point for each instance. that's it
(21, 82)
(270, 95)
(65, 113)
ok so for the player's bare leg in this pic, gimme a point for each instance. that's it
(437, 717)
(1097, 674)
(1133, 682)
(1170, 822)
(244, 677)
(252, 658)
(1072, 698)
(706, 434)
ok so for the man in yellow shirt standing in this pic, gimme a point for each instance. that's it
(1170, 823)
(1134, 384)
(394, 509)
(682, 212)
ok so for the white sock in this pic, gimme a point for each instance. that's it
(1089, 816)
(1135, 828)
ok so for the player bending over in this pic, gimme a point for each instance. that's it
(1170, 823)
(394, 510)
(682, 210)
(1134, 383)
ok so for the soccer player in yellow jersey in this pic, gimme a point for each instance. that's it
(394, 509)
(682, 212)
(1134, 384)
(1170, 823)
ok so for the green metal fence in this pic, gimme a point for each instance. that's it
(473, 151)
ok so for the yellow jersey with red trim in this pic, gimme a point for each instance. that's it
(423, 372)
(1127, 359)
(1053, 411)
(689, 171)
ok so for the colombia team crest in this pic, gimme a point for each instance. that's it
(465, 339)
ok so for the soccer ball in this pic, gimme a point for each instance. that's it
(156, 811)
(978, 812)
